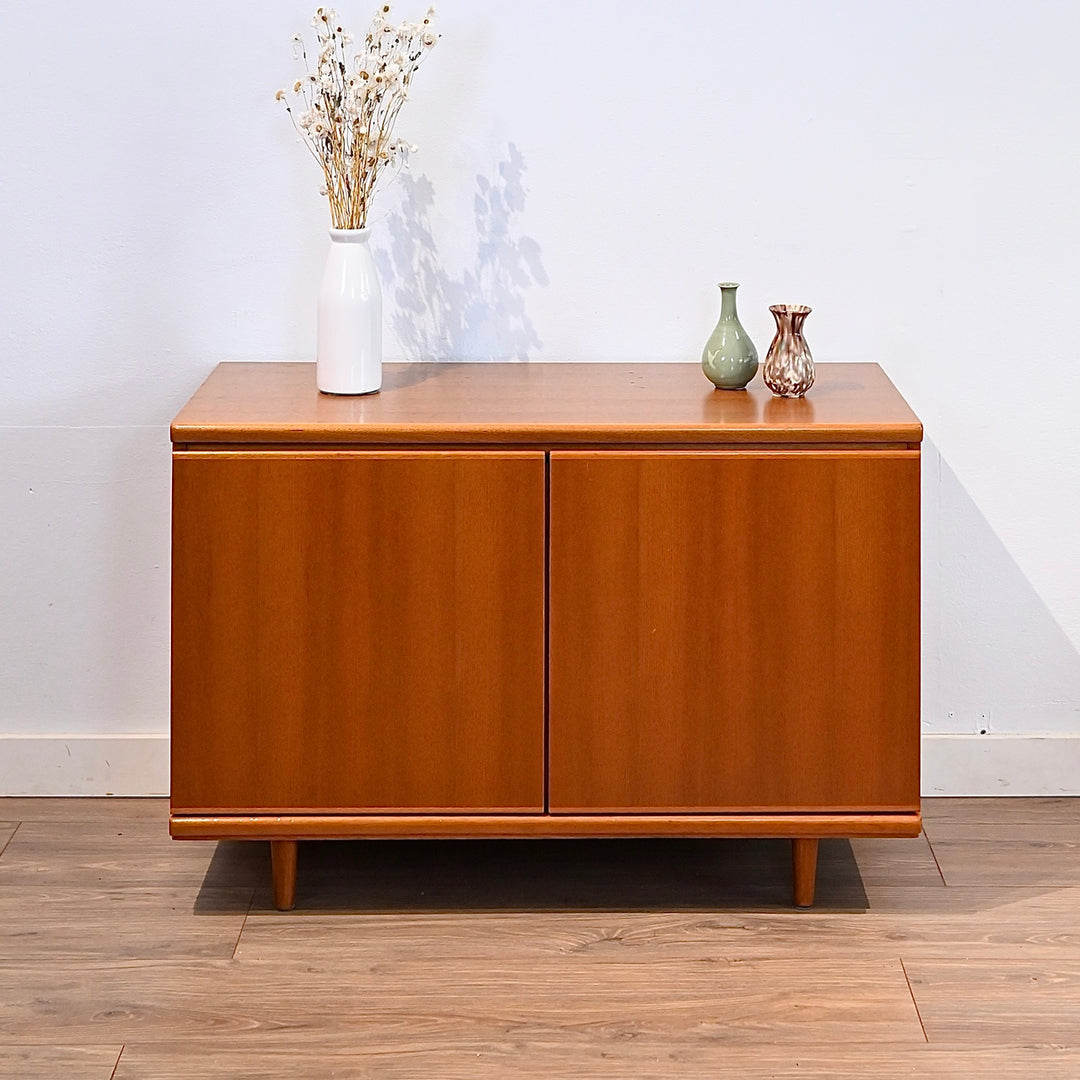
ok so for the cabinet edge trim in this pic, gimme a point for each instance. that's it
(370, 826)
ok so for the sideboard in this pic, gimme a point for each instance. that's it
(540, 600)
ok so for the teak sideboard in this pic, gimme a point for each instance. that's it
(536, 600)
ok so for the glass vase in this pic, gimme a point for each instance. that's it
(789, 367)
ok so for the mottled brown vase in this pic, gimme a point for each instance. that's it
(789, 367)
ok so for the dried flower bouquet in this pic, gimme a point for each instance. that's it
(348, 105)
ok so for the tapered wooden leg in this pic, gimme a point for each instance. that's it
(804, 870)
(283, 864)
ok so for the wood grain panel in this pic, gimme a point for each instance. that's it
(7, 831)
(1007, 853)
(734, 630)
(889, 861)
(509, 1054)
(607, 959)
(1010, 1001)
(927, 923)
(1002, 813)
(65, 854)
(541, 405)
(111, 810)
(49, 1062)
(358, 631)
(413, 1003)
(79, 922)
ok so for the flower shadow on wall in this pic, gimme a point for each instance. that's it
(482, 316)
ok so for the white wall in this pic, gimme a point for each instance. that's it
(908, 170)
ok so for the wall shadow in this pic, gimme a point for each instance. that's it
(997, 659)
(480, 315)
(537, 875)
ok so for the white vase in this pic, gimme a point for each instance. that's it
(349, 359)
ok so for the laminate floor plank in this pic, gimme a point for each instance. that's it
(457, 1003)
(642, 1058)
(886, 860)
(7, 831)
(118, 854)
(518, 959)
(85, 811)
(909, 921)
(57, 923)
(1055, 810)
(998, 1001)
(37, 1062)
(1007, 853)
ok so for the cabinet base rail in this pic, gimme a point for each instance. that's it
(285, 830)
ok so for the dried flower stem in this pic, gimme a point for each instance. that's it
(348, 116)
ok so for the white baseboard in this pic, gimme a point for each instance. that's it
(139, 764)
(84, 764)
(1001, 764)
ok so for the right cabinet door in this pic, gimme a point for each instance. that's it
(734, 631)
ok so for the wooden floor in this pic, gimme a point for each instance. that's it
(126, 955)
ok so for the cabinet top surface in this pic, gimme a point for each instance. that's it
(541, 404)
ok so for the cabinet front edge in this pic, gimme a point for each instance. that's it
(370, 826)
(513, 446)
(542, 436)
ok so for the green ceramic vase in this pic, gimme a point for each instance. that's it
(729, 358)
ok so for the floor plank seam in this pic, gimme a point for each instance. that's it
(933, 853)
(913, 1001)
(112, 1075)
(243, 923)
(10, 838)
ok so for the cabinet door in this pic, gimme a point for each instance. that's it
(734, 631)
(358, 631)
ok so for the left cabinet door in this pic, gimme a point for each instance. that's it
(358, 632)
